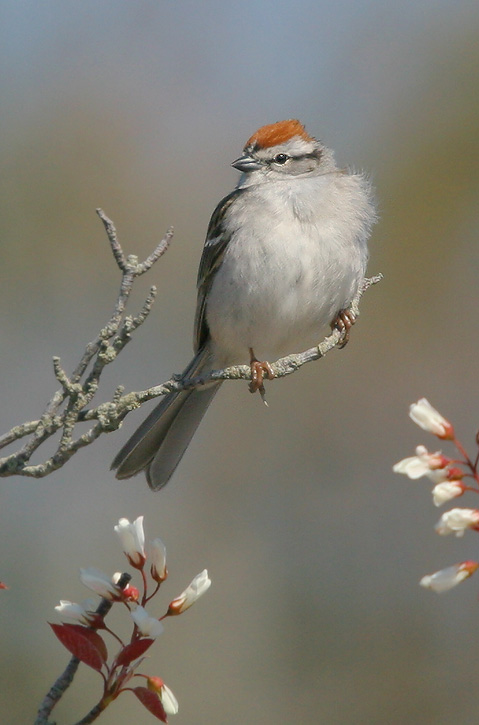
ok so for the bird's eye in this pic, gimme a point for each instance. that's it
(280, 158)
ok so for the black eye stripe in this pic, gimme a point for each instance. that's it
(312, 155)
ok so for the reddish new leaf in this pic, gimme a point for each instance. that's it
(133, 650)
(83, 643)
(151, 701)
(92, 637)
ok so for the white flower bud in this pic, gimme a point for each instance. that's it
(445, 579)
(200, 584)
(132, 539)
(428, 418)
(168, 700)
(456, 521)
(159, 571)
(446, 491)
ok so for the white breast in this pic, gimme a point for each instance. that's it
(296, 257)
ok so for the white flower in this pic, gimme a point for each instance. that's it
(446, 491)
(83, 613)
(168, 700)
(100, 583)
(200, 584)
(159, 571)
(430, 420)
(456, 521)
(132, 539)
(148, 626)
(445, 579)
(422, 464)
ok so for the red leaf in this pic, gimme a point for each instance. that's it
(92, 636)
(133, 651)
(151, 701)
(83, 643)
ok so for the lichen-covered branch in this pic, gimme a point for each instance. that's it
(70, 404)
(78, 389)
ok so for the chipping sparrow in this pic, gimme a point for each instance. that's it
(285, 254)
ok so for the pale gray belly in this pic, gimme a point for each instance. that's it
(278, 302)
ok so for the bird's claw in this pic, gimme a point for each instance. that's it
(343, 322)
(259, 370)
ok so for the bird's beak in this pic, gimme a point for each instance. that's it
(246, 163)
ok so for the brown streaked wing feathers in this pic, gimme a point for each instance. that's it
(215, 245)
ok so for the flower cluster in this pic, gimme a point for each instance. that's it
(449, 477)
(83, 641)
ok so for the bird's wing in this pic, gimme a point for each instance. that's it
(217, 239)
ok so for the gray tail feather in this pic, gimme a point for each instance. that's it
(178, 436)
(159, 443)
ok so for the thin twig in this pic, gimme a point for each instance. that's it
(69, 405)
(78, 389)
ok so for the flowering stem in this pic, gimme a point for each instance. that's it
(147, 599)
(66, 678)
(463, 452)
(145, 587)
(113, 634)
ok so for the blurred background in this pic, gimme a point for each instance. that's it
(314, 547)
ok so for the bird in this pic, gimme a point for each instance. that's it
(285, 254)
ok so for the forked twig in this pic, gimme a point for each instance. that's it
(69, 405)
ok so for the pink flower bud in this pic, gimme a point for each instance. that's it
(131, 593)
(454, 473)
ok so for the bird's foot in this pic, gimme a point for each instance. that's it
(343, 322)
(259, 370)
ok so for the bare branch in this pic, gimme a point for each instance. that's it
(69, 405)
(78, 389)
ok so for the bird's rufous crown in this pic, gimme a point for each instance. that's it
(277, 133)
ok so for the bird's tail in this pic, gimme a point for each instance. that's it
(159, 443)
